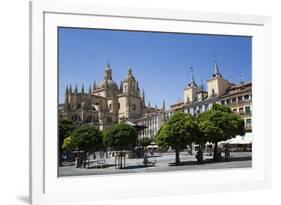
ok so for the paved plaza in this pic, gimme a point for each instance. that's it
(164, 163)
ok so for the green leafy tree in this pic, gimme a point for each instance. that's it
(68, 144)
(220, 124)
(120, 137)
(65, 128)
(144, 142)
(162, 138)
(87, 138)
(180, 130)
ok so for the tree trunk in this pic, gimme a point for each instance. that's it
(177, 156)
(215, 157)
(60, 157)
(190, 149)
(124, 160)
(121, 160)
(106, 153)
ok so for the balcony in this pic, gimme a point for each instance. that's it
(249, 113)
(241, 103)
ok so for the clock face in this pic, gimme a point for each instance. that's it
(134, 107)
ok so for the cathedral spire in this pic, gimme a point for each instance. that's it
(82, 90)
(216, 71)
(143, 96)
(90, 90)
(94, 85)
(70, 89)
(66, 95)
(66, 90)
(163, 106)
(76, 90)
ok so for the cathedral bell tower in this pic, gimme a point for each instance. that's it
(130, 86)
(130, 99)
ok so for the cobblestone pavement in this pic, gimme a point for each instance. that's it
(164, 163)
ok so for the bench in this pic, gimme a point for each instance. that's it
(89, 162)
(97, 162)
(146, 163)
(100, 163)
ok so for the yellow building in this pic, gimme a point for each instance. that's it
(219, 90)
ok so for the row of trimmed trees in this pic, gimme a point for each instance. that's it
(217, 124)
(89, 139)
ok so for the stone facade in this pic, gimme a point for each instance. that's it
(153, 120)
(106, 102)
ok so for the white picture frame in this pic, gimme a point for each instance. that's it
(46, 187)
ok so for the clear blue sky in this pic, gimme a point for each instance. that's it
(160, 61)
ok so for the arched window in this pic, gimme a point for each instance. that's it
(75, 118)
(134, 107)
(89, 119)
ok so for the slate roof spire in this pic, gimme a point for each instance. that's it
(216, 71)
(192, 82)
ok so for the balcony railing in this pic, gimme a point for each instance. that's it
(249, 113)
(243, 102)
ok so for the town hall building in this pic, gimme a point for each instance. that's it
(219, 90)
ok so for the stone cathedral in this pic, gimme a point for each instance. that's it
(106, 102)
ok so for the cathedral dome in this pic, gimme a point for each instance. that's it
(107, 83)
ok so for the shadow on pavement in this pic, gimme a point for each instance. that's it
(138, 166)
(153, 156)
(104, 167)
(209, 161)
(67, 164)
(234, 159)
